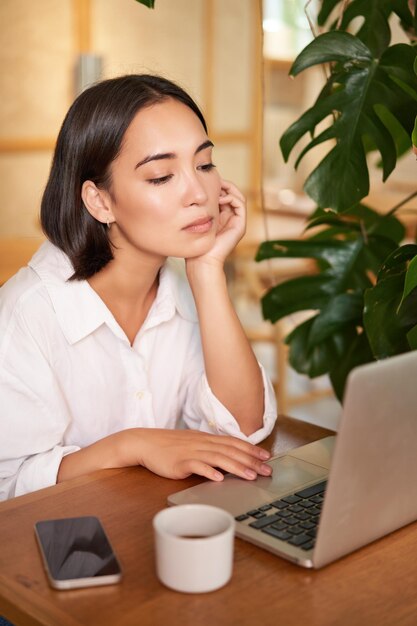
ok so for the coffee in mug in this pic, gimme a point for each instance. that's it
(194, 547)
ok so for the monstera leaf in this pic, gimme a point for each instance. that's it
(349, 254)
(374, 29)
(390, 312)
(360, 95)
(362, 300)
(148, 3)
(361, 303)
(414, 134)
(414, 137)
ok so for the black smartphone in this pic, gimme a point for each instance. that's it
(77, 553)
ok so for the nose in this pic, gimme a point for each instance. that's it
(194, 190)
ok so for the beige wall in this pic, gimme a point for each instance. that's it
(212, 47)
(168, 40)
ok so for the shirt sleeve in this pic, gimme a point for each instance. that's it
(204, 412)
(30, 450)
(34, 414)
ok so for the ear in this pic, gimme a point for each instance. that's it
(97, 203)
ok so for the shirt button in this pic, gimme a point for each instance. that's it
(212, 424)
(139, 395)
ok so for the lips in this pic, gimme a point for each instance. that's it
(202, 225)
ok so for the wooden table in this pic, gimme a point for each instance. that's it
(374, 586)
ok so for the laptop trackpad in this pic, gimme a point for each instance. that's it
(290, 474)
(238, 495)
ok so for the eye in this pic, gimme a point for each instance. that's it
(207, 167)
(159, 181)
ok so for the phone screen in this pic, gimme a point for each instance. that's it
(77, 553)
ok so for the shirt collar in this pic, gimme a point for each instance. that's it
(79, 309)
(173, 284)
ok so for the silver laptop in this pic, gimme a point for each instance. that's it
(328, 498)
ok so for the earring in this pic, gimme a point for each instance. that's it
(108, 223)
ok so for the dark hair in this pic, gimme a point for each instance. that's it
(88, 142)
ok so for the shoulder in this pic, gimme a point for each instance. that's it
(23, 286)
(48, 266)
(25, 297)
(23, 301)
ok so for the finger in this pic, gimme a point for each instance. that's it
(248, 460)
(230, 187)
(232, 466)
(229, 199)
(195, 466)
(233, 202)
(235, 461)
(231, 196)
(229, 440)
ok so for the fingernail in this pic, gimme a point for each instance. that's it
(250, 473)
(266, 470)
(264, 454)
(218, 476)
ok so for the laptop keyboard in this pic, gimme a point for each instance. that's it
(293, 519)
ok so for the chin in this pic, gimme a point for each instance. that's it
(199, 248)
(189, 249)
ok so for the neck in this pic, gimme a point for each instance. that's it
(128, 289)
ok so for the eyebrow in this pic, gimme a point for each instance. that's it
(171, 155)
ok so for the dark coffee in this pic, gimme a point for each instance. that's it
(193, 536)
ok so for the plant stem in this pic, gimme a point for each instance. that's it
(343, 9)
(325, 68)
(364, 231)
(400, 204)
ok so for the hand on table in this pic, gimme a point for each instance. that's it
(179, 453)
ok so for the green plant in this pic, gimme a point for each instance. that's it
(363, 297)
(414, 134)
(148, 3)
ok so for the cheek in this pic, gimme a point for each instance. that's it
(153, 202)
(217, 181)
(215, 186)
(142, 203)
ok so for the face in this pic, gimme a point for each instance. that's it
(165, 189)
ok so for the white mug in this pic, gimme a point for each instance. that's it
(194, 547)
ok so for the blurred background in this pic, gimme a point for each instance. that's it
(233, 56)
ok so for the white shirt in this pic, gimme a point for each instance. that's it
(69, 376)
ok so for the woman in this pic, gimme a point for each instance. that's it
(109, 341)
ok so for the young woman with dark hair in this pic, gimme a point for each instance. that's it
(119, 345)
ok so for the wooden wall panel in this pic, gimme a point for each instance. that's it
(23, 177)
(233, 160)
(233, 63)
(36, 48)
(168, 40)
